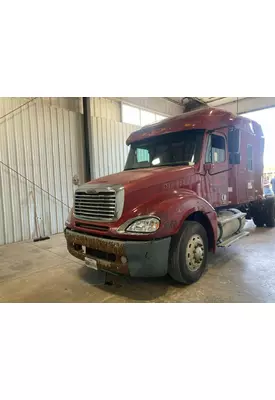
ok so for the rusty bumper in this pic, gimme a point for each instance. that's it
(134, 258)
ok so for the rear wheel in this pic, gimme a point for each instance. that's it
(258, 221)
(270, 213)
(264, 213)
(188, 253)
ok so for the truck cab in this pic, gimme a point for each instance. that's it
(188, 186)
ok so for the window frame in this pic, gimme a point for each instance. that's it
(249, 159)
(198, 151)
(140, 109)
(207, 148)
(123, 114)
(143, 113)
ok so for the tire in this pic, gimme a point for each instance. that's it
(258, 221)
(270, 213)
(188, 266)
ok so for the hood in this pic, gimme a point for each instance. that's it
(137, 179)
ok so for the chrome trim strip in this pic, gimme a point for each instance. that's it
(123, 227)
(98, 202)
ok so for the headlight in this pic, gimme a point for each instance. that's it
(146, 225)
(69, 218)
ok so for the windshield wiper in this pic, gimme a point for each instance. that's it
(162, 165)
(172, 163)
(131, 169)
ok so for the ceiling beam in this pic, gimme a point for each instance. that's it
(249, 104)
(173, 100)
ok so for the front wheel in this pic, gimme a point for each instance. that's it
(188, 253)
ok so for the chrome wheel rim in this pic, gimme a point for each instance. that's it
(194, 253)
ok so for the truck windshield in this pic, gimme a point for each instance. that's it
(178, 148)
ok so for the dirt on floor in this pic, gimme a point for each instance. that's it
(45, 272)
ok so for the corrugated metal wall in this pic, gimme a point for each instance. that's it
(248, 104)
(109, 147)
(111, 108)
(106, 108)
(69, 103)
(109, 134)
(157, 104)
(43, 141)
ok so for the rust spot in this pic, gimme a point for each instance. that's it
(113, 267)
(75, 239)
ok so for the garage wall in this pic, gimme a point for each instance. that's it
(109, 147)
(42, 140)
(109, 134)
(248, 104)
(110, 108)
(106, 108)
(8, 104)
(157, 104)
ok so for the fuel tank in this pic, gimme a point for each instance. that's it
(230, 222)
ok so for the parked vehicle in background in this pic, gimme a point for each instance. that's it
(189, 184)
(268, 189)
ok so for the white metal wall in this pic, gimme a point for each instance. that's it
(157, 104)
(109, 135)
(246, 104)
(106, 108)
(43, 141)
(110, 108)
(109, 147)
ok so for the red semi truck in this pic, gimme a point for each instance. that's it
(189, 184)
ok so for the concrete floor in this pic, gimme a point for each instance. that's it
(45, 272)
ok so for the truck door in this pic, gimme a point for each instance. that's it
(216, 160)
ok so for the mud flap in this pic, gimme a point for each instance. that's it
(97, 277)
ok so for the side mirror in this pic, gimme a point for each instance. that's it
(235, 158)
(208, 167)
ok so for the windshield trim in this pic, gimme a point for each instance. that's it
(132, 164)
(183, 163)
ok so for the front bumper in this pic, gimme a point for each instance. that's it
(134, 258)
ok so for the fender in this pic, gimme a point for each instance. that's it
(174, 207)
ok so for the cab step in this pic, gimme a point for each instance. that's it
(233, 239)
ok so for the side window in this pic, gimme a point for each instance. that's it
(215, 152)
(249, 158)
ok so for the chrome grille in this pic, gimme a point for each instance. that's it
(95, 206)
